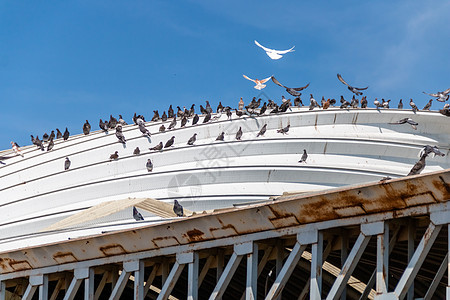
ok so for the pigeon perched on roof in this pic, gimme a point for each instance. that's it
(149, 165)
(263, 109)
(419, 166)
(364, 102)
(162, 128)
(192, 139)
(144, 130)
(120, 135)
(400, 104)
(184, 121)
(66, 134)
(170, 113)
(304, 157)
(86, 128)
(45, 137)
(177, 208)
(58, 134)
(157, 147)
(377, 103)
(195, 119)
(112, 122)
(137, 215)
(408, 121)
(155, 116)
(284, 130)
(50, 144)
(67, 164)
(428, 105)
(239, 134)
(52, 134)
(16, 148)
(293, 91)
(207, 118)
(164, 117)
(221, 136)
(262, 131)
(259, 83)
(413, 105)
(445, 110)
(440, 96)
(122, 121)
(351, 88)
(137, 151)
(272, 53)
(103, 125)
(114, 156)
(170, 142)
(173, 123)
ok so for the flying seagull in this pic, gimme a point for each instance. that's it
(293, 91)
(406, 120)
(272, 53)
(441, 96)
(137, 215)
(259, 83)
(351, 88)
(177, 208)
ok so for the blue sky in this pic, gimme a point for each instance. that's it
(62, 62)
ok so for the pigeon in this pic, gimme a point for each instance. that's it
(221, 136)
(86, 128)
(192, 139)
(52, 134)
(219, 107)
(298, 101)
(419, 166)
(229, 114)
(170, 142)
(239, 113)
(406, 120)
(137, 151)
(208, 107)
(207, 118)
(263, 109)
(192, 110)
(241, 104)
(58, 134)
(67, 164)
(39, 143)
(413, 105)
(259, 83)
(66, 134)
(284, 130)
(137, 215)
(103, 125)
(114, 156)
(164, 117)
(428, 105)
(440, 96)
(16, 148)
(293, 91)
(180, 112)
(33, 140)
(112, 122)
(239, 134)
(173, 123)
(120, 135)
(144, 130)
(272, 53)
(203, 110)
(430, 150)
(139, 121)
(184, 121)
(155, 116)
(313, 103)
(195, 119)
(304, 157)
(149, 165)
(162, 128)
(122, 121)
(157, 147)
(400, 104)
(351, 88)
(262, 131)
(384, 179)
(177, 208)
(377, 103)
(45, 137)
(385, 104)
(354, 103)
(445, 110)
(50, 145)
(170, 113)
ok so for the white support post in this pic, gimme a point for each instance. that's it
(193, 277)
(181, 261)
(437, 279)
(382, 261)
(239, 251)
(33, 284)
(89, 287)
(43, 288)
(416, 261)
(349, 266)
(139, 281)
(252, 274)
(120, 285)
(2, 290)
(261, 265)
(286, 271)
(316, 268)
(78, 276)
(411, 235)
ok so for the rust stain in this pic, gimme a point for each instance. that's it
(165, 241)
(64, 257)
(113, 249)
(19, 265)
(194, 235)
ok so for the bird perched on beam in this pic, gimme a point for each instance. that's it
(177, 208)
(137, 215)
(86, 128)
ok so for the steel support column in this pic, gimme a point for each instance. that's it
(89, 285)
(34, 283)
(139, 281)
(383, 261)
(316, 268)
(181, 260)
(193, 277)
(252, 274)
(2, 290)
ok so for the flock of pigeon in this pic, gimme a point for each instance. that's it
(185, 116)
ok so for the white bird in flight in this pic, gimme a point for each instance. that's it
(259, 83)
(274, 54)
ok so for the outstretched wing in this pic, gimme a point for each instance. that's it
(432, 95)
(284, 51)
(277, 82)
(446, 91)
(248, 78)
(342, 80)
(361, 89)
(264, 48)
(301, 88)
(265, 80)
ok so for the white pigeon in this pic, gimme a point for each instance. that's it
(259, 83)
(274, 54)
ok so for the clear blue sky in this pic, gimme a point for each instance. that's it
(62, 62)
